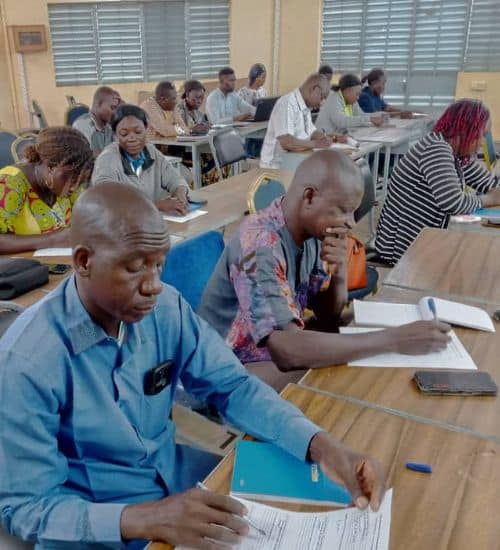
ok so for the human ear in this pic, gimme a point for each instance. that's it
(82, 260)
(308, 195)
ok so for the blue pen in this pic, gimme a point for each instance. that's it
(432, 307)
(417, 467)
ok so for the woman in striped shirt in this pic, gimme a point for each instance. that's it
(429, 183)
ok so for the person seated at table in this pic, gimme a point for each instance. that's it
(197, 123)
(255, 89)
(88, 379)
(341, 111)
(164, 119)
(292, 256)
(428, 185)
(290, 126)
(327, 71)
(131, 160)
(371, 100)
(224, 105)
(95, 125)
(37, 194)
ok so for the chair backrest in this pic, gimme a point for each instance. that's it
(263, 191)
(19, 145)
(368, 200)
(227, 147)
(71, 100)
(37, 111)
(190, 264)
(73, 112)
(6, 141)
(490, 154)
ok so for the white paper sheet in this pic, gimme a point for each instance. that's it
(454, 356)
(183, 219)
(347, 529)
(382, 314)
(52, 252)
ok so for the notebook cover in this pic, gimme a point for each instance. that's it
(263, 471)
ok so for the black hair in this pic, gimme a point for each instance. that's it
(255, 71)
(347, 81)
(325, 69)
(163, 87)
(191, 85)
(226, 71)
(128, 110)
(373, 76)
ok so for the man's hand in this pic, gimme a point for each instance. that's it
(200, 128)
(322, 142)
(420, 337)
(406, 114)
(244, 117)
(341, 138)
(377, 119)
(362, 475)
(333, 252)
(196, 518)
(173, 206)
(181, 194)
(492, 198)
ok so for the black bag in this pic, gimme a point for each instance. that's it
(8, 313)
(20, 275)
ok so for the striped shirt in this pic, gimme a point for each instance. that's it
(426, 188)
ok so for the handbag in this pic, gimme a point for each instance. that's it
(20, 275)
(356, 264)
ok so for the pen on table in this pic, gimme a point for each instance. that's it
(418, 467)
(247, 520)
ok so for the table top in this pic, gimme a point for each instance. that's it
(447, 509)
(388, 134)
(463, 263)
(227, 202)
(242, 128)
(393, 388)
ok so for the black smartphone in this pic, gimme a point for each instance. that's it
(455, 383)
(58, 269)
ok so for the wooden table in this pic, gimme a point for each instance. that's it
(393, 388)
(454, 508)
(460, 263)
(227, 202)
(202, 143)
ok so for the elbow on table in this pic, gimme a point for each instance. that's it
(282, 354)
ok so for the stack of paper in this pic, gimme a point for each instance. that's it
(52, 252)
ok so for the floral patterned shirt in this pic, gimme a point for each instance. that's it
(262, 282)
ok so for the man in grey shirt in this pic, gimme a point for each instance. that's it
(224, 105)
(95, 125)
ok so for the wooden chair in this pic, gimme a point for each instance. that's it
(263, 191)
(19, 145)
(73, 112)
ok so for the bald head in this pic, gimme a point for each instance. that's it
(327, 169)
(315, 89)
(112, 213)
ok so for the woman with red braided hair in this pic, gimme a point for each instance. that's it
(429, 183)
(37, 194)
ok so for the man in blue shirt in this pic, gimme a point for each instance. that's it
(88, 377)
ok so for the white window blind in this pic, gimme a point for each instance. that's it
(208, 36)
(483, 44)
(111, 42)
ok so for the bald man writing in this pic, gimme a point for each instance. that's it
(292, 256)
(87, 382)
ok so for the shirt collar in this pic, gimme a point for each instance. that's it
(300, 100)
(83, 332)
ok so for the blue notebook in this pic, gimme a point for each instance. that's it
(263, 471)
(488, 212)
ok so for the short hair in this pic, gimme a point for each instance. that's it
(255, 71)
(102, 93)
(347, 81)
(191, 85)
(325, 69)
(62, 146)
(226, 71)
(464, 120)
(163, 87)
(126, 110)
(373, 76)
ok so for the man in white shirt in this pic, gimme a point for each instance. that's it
(291, 127)
(224, 105)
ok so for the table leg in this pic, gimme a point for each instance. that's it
(195, 155)
(387, 165)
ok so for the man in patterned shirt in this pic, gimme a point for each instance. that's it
(292, 256)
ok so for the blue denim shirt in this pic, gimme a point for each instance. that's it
(371, 103)
(79, 438)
